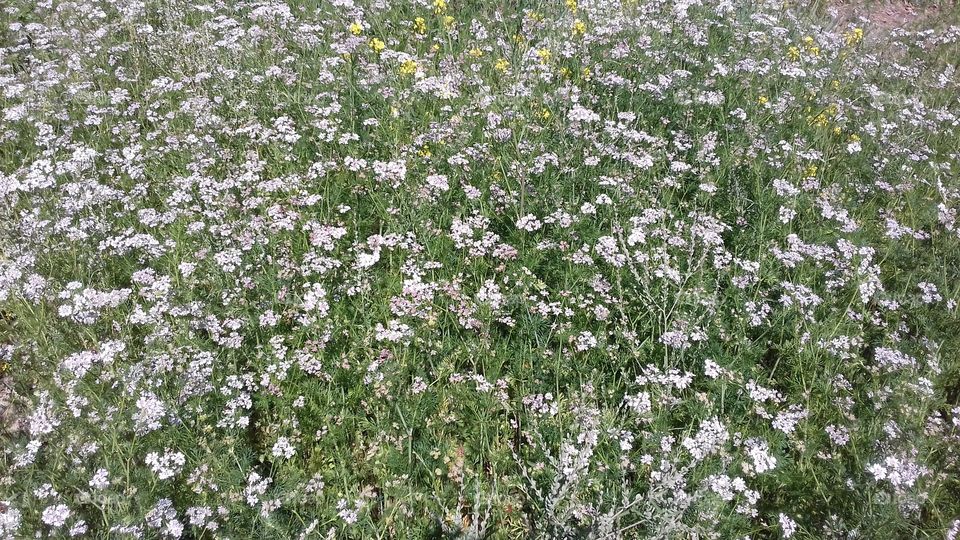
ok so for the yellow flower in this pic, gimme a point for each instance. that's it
(408, 67)
(425, 151)
(572, 5)
(854, 137)
(810, 45)
(439, 6)
(579, 28)
(762, 100)
(836, 130)
(535, 16)
(793, 53)
(810, 172)
(356, 28)
(435, 47)
(475, 53)
(501, 65)
(420, 25)
(545, 113)
(565, 71)
(377, 45)
(854, 36)
(544, 55)
(448, 21)
(835, 85)
(585, 73)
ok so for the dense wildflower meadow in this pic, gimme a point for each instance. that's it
(474, 269)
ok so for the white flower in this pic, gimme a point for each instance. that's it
(786, 421)
(395, 332)
(366, 260)
(710, 438)
(79, 528)
(759, 452)
(901, 472)
(283, 448)
(9, 520)
(640, 403)
(788, 525)
(256, 486)
(100, 479)
(166, 466)
(581, 114)
(839, 435)
(893, 359)
(607, 249)
(315, 300)
(585, 341)
(786, 215)
(930, 293)
(438, 182)
(150, 409)
(55, 515)
(529, 223)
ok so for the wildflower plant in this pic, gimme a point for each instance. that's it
(374, 269)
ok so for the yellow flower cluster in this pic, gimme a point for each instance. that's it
(579, 28)
(854, 36)
(823, 117)
(377, 45)
(356, 28)
(420, 25)
(811, 46)
(408, 67)
(544, 55)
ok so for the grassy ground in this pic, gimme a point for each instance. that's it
(362, 269)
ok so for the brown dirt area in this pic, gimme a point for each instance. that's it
(886, 16)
